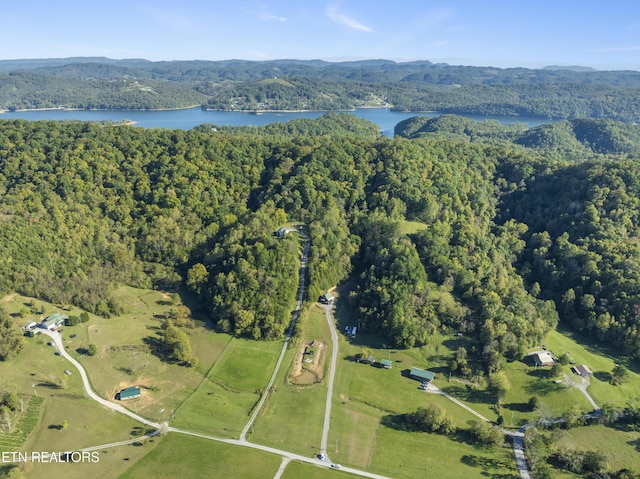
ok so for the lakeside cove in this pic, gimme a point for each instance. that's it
(188, 118)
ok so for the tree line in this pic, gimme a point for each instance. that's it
(513, 238)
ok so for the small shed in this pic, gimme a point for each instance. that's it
(327, 298)
(128, 393)
(385, 363)
(582, 370)
(422, 374)
(369, 359)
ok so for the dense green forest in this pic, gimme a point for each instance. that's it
(101, 83)
(519, 228)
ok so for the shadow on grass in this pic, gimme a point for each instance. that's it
(49, 385)
(486, 463)
(469, 394)
(518, 406)
(156, 347)
(543, 387)
(603, 376)
(540, 373)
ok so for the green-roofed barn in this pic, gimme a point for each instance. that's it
(385, 363)
(128, 393)
(422, 375)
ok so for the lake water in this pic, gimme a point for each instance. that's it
(191, 117)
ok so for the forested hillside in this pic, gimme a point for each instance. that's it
(514, 235)
(102, 83)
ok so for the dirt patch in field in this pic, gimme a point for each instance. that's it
(143, 383)
(309, 365)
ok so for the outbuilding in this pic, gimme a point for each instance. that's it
(422, 375)
(128, 393)
(327, 298)
(582, 370)
(385, 363)
(53, 321)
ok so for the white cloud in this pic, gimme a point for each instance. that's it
(336, 16)
(268, 17)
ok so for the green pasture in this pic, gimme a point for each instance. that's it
(293, 416)
(222, 403)
(620, 447)
(297, 470)
(88, 425)
(417, 455)
(528, 381)
(601, 360)
(180, 455)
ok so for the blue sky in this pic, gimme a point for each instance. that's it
(602, 34)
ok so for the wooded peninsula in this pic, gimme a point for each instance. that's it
(102, 83)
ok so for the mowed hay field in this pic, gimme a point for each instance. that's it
(293, 417)
(184, 456)
(222, 402)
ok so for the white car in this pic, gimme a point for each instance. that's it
(335, 466)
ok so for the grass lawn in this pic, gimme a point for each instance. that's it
(526, 382)
(89, 424)
(411, 227)
(222, 403)
(297, 469)
(416, 455)
(293, 415)
(620, 447)
(601, 361)
(179, 455)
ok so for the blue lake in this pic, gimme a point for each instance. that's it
(189, 118)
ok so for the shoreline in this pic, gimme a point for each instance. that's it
(61, 108)
(202, 107)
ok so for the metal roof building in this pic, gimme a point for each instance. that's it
(422, 374)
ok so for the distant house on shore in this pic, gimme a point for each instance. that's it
(542, 358)
(53, 321)
(128, 393)
(385, 363)
(582, 370)
(422, 375)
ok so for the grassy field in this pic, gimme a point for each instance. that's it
(222, 403)
(297, 469)
(179, 455)
(601, 361)
(417, 455)
(620, 447)
(293, 416)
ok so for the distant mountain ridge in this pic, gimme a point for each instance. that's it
(243, 85)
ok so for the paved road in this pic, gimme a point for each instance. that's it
(332, 374)
(285, 346)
